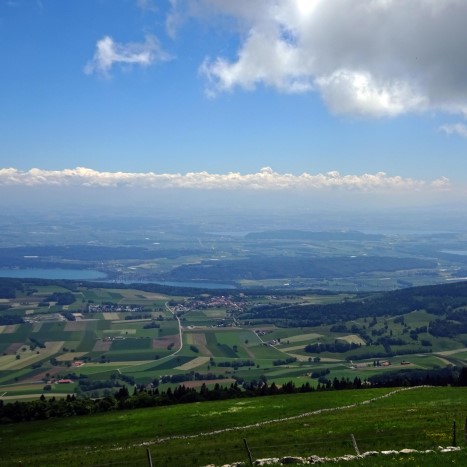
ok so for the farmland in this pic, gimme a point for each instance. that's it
(89, 340)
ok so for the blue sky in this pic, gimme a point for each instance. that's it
(217, 86)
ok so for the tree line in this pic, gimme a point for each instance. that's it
(143, 397)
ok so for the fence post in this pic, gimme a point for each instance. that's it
(354, 442)
(248, 451)
(454, 441)
(148, 452)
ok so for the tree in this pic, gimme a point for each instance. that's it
(463, 377)
(122, 394)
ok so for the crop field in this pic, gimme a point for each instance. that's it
(353, 339)
(130, 336)
(213, 432)
(303, 337)
(190, 365)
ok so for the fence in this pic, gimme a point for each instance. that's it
(329, 446)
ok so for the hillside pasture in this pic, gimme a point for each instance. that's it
(213, 432)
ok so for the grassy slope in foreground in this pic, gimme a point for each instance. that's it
(420, 418)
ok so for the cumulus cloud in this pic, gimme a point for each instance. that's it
(459, 129)
(367, 57)
(265, 179)
(109, 53)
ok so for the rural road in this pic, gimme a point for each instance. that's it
(180, 334)
(179, 331)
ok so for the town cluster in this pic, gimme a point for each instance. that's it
(230, 303)
(113, 307)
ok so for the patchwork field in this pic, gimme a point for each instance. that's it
(128, 336)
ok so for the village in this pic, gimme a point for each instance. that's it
(113, 307)
(230, 303)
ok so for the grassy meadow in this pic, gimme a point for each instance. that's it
(319, 423)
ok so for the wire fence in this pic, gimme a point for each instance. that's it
(204, 448)
(328, 446)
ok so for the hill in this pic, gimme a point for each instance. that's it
(275, 426)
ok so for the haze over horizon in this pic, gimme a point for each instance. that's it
(251, 103)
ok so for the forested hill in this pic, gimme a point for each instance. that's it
(447, 300)
(261, 268)
(429, 297)
(48, 256)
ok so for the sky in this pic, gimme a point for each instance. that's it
(341, 99)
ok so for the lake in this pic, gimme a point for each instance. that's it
(91, 275)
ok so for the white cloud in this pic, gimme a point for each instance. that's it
(265, 179)
(368, 57)
(454, 129)
(109, 53)
(353, 92)
(147, 5)
(259, 62)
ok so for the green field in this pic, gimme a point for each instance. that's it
(274, 426)
(132, 336)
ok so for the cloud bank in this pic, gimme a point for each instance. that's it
(265, 179)
(365, 57)
(109, 53)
